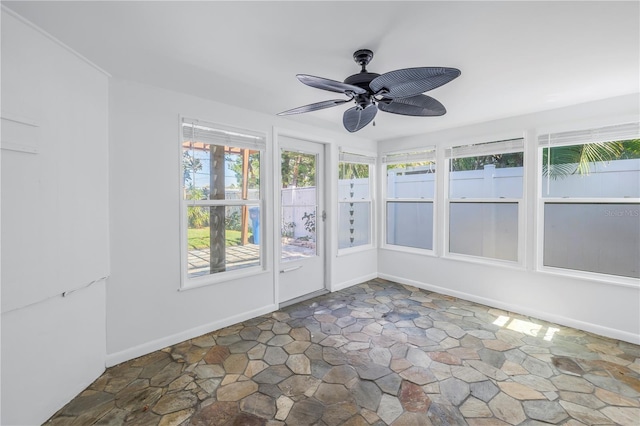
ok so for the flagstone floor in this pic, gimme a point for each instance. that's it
(375, 354)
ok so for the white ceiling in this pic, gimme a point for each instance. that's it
(516, 57)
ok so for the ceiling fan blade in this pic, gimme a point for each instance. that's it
(331, 85)
(315, 107)
(355, 118)
(409, 82)
(419, 105)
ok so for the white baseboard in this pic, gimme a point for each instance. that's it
(523, 310)
(355, 281)
(145, 348)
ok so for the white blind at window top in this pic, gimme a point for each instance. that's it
(488, 148)
(348, 157)
(428, 154)
(619, 132)
(199, 131)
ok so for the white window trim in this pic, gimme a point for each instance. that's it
(522, 202)
(426, 153)
(351, 156)
(186, 282)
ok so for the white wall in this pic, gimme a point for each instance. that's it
(603, 307)
(54, 223)
(145, 310)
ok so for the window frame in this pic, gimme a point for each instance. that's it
(348, 155)
(187, 282)
(474, 149)
(572, 139)
(427, 153)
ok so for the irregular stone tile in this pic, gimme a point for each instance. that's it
(216, 355)
(272, 375)
(613, 398)
(245, 419)
(305, 412)
(572, 383)
(497, 345)
(275, 356)
(487, 370)
(418, 358)
(297, 347)
(493, 358)
(209, 385)
(173, 402)
(512, 369)
(585, 399)
(413, 398)
(445, 357)
(389, 383)
(228, 340)
(412, 419)
(209, 371)
(451, 329)
(114, 417)
(338, 414)
(467, 374)
(242, 346)
(175, 419)
(399, 365)
(567, 366)
(537, 367)
(180, 383)
(445, 415)
(236, 391)
(345, 321)
(341, 374)
(167, 375)
(464, 353)
(299, 364)
(329, 393)
(265, 336)
(300, 334)
(609, 383)
(519, 391)
(483, 390)
(283, 406)
(235, 363)
(389, 408)
(366, 394)
(454, 390)
(418, 375)
(491, 422)
(230, 378)
(584, 414)
(87, 401)
(535, 382)
(295, 386)
(356, 346)
(281, 328)
(474, 407)
(280, 340)
(142, 418)
(507, 409)
(622, 415)
(259, 405)
(372, 371)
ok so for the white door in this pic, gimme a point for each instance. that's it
(302, 245)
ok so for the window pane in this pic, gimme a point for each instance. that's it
(607, 169)
(410, 224)
(219, 172)
(354, 224)
(353, 181)
(411, 180)
(487, 176)
(484, 229)
(603, 238)
(222, 238)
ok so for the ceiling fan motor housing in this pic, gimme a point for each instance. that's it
(362, 57)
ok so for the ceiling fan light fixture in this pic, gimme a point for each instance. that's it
(396, 92)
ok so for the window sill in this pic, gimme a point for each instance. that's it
(616, 280)
(412, 250)
(353, 250)
(484, 261)
(222, 277)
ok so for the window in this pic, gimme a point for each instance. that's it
(590, 194)
(221, 207)
(354, 200)
(410, 192)
(484, 199)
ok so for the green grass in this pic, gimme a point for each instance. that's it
(198, 238)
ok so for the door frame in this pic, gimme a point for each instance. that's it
(328, 206)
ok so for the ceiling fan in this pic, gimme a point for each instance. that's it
(397, 92)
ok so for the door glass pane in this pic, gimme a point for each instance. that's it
(484, 230)
(298, 197)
